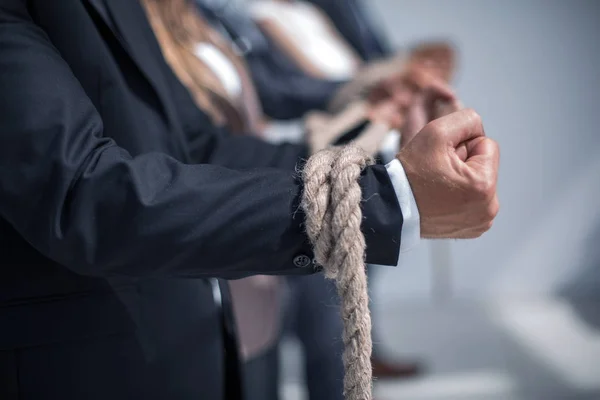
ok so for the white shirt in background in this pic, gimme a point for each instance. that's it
(305, 27)
(221, 66)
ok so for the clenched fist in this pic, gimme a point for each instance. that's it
(452, 168)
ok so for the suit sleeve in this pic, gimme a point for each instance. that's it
(285, 91)
(86, 203)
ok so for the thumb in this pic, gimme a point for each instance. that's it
(483, 151)
(416, 119)
(442, 108)
(460, 126)
(482, 164)
(436, 89)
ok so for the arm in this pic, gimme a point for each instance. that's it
(284, 90)
(84, 202)
(281, 38)
(209, 144)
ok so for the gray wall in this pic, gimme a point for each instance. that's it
(531, 69)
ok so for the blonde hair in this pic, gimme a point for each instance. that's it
(178, 27)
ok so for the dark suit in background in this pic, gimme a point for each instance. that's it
(118, 200)
(285, 91)
(353, 20)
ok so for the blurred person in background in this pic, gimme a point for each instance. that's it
(218, 80)
(280, 72)
(121, 204)
(122, 201)
(345, 30)
(287, 92)
(356, 22)
(306, 35)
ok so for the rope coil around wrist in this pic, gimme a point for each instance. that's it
(331, 202)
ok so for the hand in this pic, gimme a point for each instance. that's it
(418, 97)
(389, 101)
(439, 58)
(452, 168)
(386, 112)
(432, 99)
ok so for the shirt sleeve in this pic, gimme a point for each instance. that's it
(411, 232)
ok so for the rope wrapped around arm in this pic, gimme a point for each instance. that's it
(331, 202)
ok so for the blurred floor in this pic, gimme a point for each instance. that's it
(521, 350)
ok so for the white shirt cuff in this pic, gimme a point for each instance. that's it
(411, 226)
(390, 145)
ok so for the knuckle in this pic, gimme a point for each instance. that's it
(494, 151)
(434, 127)
(483, 189)
(473, 116)
(493, 210)
(483, 228)
(495, 145)
(486, 219)
(487, 226)
(476, 234)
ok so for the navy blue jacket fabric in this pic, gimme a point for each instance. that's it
(120, 204)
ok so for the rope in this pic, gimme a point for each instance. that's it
(331, 202)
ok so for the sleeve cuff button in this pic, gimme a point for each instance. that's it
(302, 261)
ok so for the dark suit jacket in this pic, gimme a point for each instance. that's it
(351, 18)
(118, 200)
(285, 91)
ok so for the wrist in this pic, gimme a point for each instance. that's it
(427, 224)
(379, 121)
(411, 227)
(413, 181)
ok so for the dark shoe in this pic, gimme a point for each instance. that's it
(400, 370)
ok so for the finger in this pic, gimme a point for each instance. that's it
(437, 52)
(461, 152)
(397, 121)
(483, 150)
(458, 127)
(443, 108)
(458, 105)
(482, 164)
(494, 206)
(403, 96)
(474, 232)
(378, 93)
(420, 78)
(416, 82)
(440, 99)
(437, 89)
(415, 77)
(441, 65)
(416, 119)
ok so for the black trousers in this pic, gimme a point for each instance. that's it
(261, 376)
(312, 315)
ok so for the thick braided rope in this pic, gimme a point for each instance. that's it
(331, 202)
